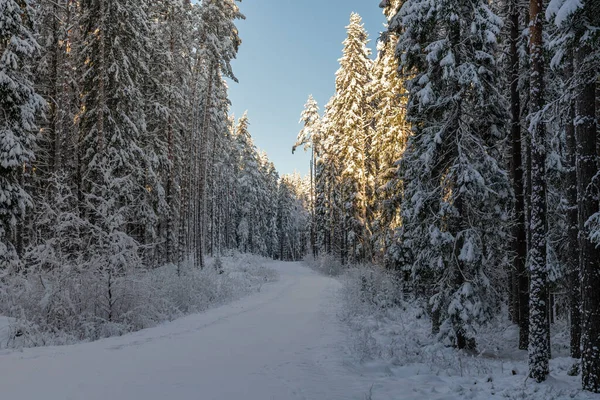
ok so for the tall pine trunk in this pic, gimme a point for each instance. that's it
(572, 256)
(521, 295)
(587, 168)
(170, 189)
(539, 345)
(313, 194)
(203, 170)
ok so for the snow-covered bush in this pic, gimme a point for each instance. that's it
(66, 305)
(371, 289)
(384, 324)
(327, 264)
(392, 331)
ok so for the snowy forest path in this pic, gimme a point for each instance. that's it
(284, 342)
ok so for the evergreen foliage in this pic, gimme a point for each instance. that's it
(20, 105)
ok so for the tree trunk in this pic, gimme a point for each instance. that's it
(572, 251)
(587, 168)
(203, 171)
(313, 228)
(521, 295)
(54, 96)
(538, 315)
(170, 189)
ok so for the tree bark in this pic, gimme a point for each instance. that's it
(170, 189)
(313, 228)
(203, 170)
(572, 251)
(521, 300)
(538, 314)
(587, 168)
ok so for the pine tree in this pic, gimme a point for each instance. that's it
(56, 80)
(587, 139)
(573, 265)
(220, 158)
(20, 106)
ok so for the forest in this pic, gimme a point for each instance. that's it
(461, 160)
(119, 155)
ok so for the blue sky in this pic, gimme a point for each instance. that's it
(291, 49)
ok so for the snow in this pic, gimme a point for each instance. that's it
(281, 343)
(561, 10)
(393, 346)
(284, 342)
(6, 330)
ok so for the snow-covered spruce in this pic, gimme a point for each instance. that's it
(389, 133)
(457, 194)
(20, 105)
(345, 145)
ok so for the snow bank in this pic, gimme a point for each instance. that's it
(7, 331)
(326, 264)
(391, 342)
(70, 306)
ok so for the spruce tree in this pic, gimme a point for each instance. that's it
(353, 141)
(247, 185)
(456, 193)
(167, 101)
(114, 159)
(20, 106)
(219, 44)
(330, 211)
(389, 132)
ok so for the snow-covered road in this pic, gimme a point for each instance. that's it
(282, 343)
